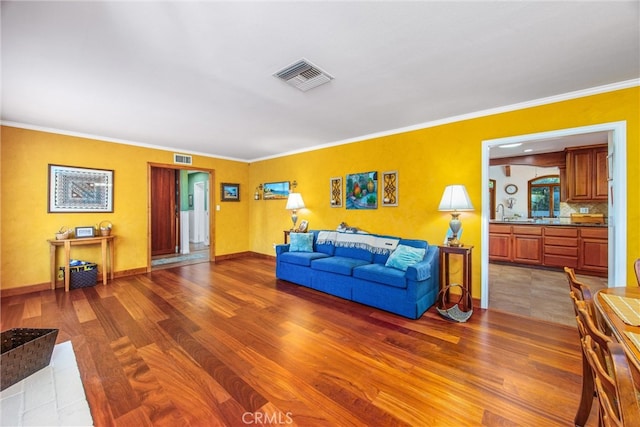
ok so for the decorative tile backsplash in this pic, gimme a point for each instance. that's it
(566, 209)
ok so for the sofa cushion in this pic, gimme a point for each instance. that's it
(322, 246)
(404, 256)
(356, 253)
(301, 242)
(414, 243)
(337, 264)
(300, 258)
(325, 248)
(378, 273)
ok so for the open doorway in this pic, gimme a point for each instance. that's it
(180, 219)
(617, 218)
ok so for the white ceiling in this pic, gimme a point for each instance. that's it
(197, 76)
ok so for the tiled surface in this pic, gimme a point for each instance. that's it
(539, 293)
(53, 396)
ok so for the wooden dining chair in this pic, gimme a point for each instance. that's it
(587, 328)
(588, 386)
(636, 266)
(617, 395)
(583, 292)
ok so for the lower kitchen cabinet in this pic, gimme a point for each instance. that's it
(561, 247)
(527, 245)
(594, 250)
(582, 248)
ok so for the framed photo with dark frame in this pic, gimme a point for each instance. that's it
(75, 189)
(84, 232)
(229, 192)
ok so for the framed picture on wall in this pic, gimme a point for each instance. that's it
(275, 190)
(362, 190)
(230, 192)
(335, 196)
(74, 189)
(390, 188)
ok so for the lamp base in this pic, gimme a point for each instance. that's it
(454, 242)
(455, 226)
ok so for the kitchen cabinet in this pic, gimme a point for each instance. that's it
(594, 249)
(586, 174)
(527, 245)
(582, 248)
(521, 244)
(561, 247)
(499, 242)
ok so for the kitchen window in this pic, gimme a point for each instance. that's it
(544, 196)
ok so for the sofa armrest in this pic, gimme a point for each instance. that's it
(280, 249)
(423, 270)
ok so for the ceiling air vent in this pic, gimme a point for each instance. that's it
(304, 75)
(182, 159)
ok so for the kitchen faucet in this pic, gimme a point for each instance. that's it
(500, 205)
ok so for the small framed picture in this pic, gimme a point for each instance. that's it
(230, 192)
(390, 188)
(84, 232)
(276, 190)
(335, 195)
(303, 226)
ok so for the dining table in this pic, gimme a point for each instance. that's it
(619, 308)
(619, 312)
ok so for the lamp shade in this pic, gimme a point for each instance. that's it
(455, 198)
(295, 201)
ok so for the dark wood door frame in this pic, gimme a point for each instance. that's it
(211, 172)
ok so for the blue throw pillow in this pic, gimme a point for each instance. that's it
(301, 242)
(405, 256)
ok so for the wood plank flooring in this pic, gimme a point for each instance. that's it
(227, 344)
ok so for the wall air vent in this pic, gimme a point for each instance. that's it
(303, 75)
(182, 159)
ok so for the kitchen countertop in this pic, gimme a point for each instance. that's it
(546, 222)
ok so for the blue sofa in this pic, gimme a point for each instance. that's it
(357, 267)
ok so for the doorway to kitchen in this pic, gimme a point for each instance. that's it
(180, 219)
(617, 206)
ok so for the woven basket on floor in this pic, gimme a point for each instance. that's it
(453, 312)
(24, 352)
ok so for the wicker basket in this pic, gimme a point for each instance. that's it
(63, 234)
(24, 352)
(83, 275)
(105, 228)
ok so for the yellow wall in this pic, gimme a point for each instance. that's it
(427, 160)
(26, 224)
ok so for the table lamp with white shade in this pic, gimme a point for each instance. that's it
(454, 199)
(294, 202)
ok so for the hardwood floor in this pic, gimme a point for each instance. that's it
(227, 344)
(533, 292)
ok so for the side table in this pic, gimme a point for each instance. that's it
(445, 279)
(105, 242)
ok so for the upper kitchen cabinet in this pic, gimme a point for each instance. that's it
(586, 174)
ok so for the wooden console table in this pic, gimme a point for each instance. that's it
(104, 241)
(445, 279)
